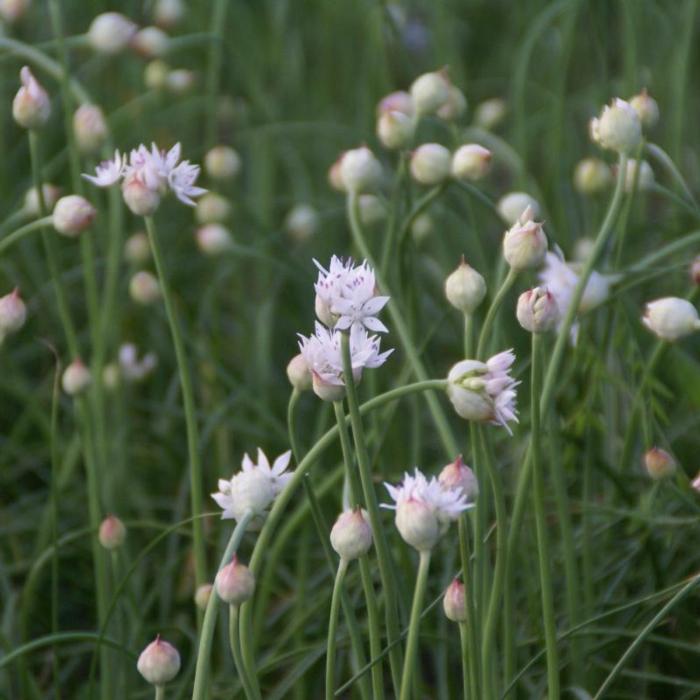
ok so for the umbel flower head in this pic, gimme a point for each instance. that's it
(323, 355)
(484, 391)
(424, 508)
(254, 487)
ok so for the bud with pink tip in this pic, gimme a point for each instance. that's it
(465, 288)
(13, 312)
(137, 249)
(159, 662)
(144, 288)
(430, 92)
(695, 270)
(298, 373)
(618, 127)
(31, 107)
(202, 595)
(591, 175)
(138, 196)
(537, 310)
(90, 128)
(351, 536)
(458, 474)
(72, 215)
(13, 10)
(647, 109)
(455, 107)
(399, 101)
(235, 583)
(513, 205)
(150, 42)
(471, 162)
(659, 463)
(395, 130)
(454, 602)
(525, 243)
(110, 32)
(417, 524)
(695, 483)
(222, 163)
(671, 318)
(76, 378)
(430, 164)
(360, 171)
(112, 532)
(335, 176)
(214, 239)
(212, 208)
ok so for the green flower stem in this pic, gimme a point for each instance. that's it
(485, 335)
(550, 630)
(160, 692)
(188, 400)
(389, 248)
(468, 689)
(22, 231)
(235, 644)
(201, 674)
(658, 153)
(418, 208)
(386, 565)
(216, 45)
(467, 629)
(333, 628)
(410, 660)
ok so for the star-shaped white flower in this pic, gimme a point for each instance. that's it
(108, 172)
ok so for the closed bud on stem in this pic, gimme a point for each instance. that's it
(399, 101)
(72, 215)
(525, 244)
(235, 583)
(202, 595)
(326, 391)
(372, 209)
(395, 129)
(212, 208)
(299, 374)
(137, 249)
(455, 107)
(159, 662)
(360, 171)
(90, 128)
(31, 107)
(430, 164)
(13, 312)
(110, 32)
(695, 483)
(618, 127)
(513, 205)
(13, 10)
(422, 227)
(167, 13)
(647, 109)
(471, 162)
(335, 175)
(351, 536)
(141, 199)
(537, 310)
(150, 42)
(591, 175)
(695, 270)
(454, 602)
(671, 318)
(417, 524)
(214, 239)
(458, 474)
(144, 288)
(659, 463)
(429, 92)
(112, 532)
(301, 222)
(76, 378)
(222, 163)
(31, 199)
(490, 113)
(465, 288)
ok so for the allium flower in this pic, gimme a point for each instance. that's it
(108, 171)
(484, 391)
(618, 127)
(131, 367)
(254, 487)
(346, 296)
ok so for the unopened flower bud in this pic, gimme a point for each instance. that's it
(537, 310)
(141, 199)
(395, 130)
(144, 288)
(13, 10)
(214, 239)
(335, 175)
(90, 128)
(110, 32)
(360, 170)
(351, 536)
(180, 81)
(647, 109)
(301, 222)
(372, 209)
(458, 474)
(490, 113)
(72, 215)
(617, 128)
(513, 205)
(430, 164)
(417, 524)
(31, 199)
(299, 374)
(471, 162)
(167, 13)
(454, 602)
(695, 483)
(429, 92)
(525, 243)
(235, 583)
(222, 163)
(150, 42)
(137, 249)
(659, 463)
(695, 270)
(212, 208)
(155, 75)
(642, 172)
(326, 391)
(13, 313)
(671, 318)
(399, 101)
(591, 175)
(112, 532)
(323, 312)
(159, 662)
(202, 595)
(465, 288)
(455, 107)
(76, 378)
(422, 227)
(31, 107)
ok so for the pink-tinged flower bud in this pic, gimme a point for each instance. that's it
(591, 175)
(458, 474)
(13, 10)
(645, 177)
(202, 595)
(430, 164)
(235, 583)
(399, 101)
(72, 215)
(659, 463)
(617, 128)
(454, 602)
(299, 374)
(301, 222)
(144, 288)
(167, 13)
(395, 130)
(214, 239)
(695, 270)
(159, 662)
(537, 310)
(372, 209)
(31, 199)
(31, 107)
(326, 391)
(429, 92)
(671, 318)
(180, 81)
(137, 249)
(490, 113)
(465, 288)
(525, 244)
(455, 107)
(90, 128)
(155, 75)
(76, 378)
(471, 162)
(13, 313)
(695, 483)
(360, 170)
(335, 175)
(141, 199)
(110, 32)
(112, 532)
(212, 208)
(513, 205)
(222, 163)
(417, 524)
(646, 108)
(351, 536)
(150, 42)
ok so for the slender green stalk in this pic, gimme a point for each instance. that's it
(658, 153)
(389, 249)
(235, 645)
(485, 335)
(410, 660)
(160, 692)
(55, 464)
(419, 207)
(189, 406)
(333, 628)
(215, 41)
(550, 630)
(206, 635)
(468, 690)
(467, 629)
(18, 234)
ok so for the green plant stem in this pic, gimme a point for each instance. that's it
(410, 660)
(485, 335)
(467, 628)
(418, 208)
(550, 630)
(658, 153)
(18, 234)
(201, 675)
(160, 692)
(235, 645)
(215, 41)
(468, 690)
(333, 628)
(189, 406)
(389, 248)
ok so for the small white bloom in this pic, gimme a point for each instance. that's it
(671, 318)
(108, 172)
(131, 367)
(181, 180)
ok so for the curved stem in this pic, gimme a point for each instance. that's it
(658, 153)
(20, 233)
(235, 645)
(419, 207)
(484, 336)
(333, 628)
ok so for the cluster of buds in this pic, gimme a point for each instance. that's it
(432, 163)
